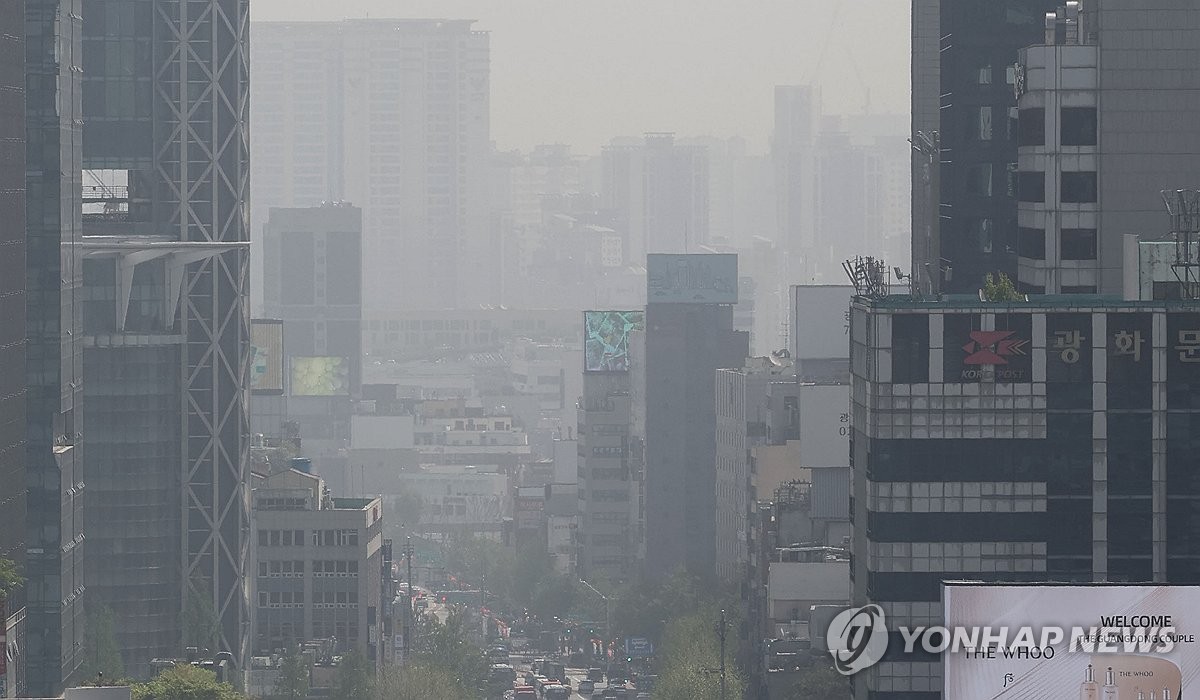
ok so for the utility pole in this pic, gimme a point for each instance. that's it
(721, 637)
(408, 610)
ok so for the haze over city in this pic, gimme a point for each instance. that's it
(552, 350)
(581, 73)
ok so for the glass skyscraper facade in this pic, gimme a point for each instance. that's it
(54, 355)
(965, 214)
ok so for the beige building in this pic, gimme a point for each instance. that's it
(318, 562)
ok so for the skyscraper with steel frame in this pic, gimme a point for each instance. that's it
(166, 159)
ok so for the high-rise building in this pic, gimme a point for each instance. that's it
(1017, 441)
(964, 209)
(165, 217)
(319, 564)
(12, 320)
(793, 152)
(689, 335)
(392, 115)
(313, 281)
(658, 189)
(54, 479)
(1101, 130)
(610, 449)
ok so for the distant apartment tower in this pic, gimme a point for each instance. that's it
(610, 450)
(54, 480)
(12, 322)
(659, 191)
(394, 116)
(165, 319)
(689, 335)
(313, 281)
(964, 209)
(793, 150)
(318, 565)
(1101, 131)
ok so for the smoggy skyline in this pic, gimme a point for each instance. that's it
(706, 67)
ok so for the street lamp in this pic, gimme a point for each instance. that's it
(607, 623)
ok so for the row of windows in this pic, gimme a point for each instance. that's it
(296, 567)
(320, 538)
(1074, 243)
(1077, 126)
(1078, 187)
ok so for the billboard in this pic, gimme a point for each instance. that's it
(820, 321)
(691, 279)
(266, 356)
(1117, 641)
(606, 339)
(320, 376)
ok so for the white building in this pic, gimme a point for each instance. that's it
(394, 116)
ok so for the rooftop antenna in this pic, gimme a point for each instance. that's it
(870, 276)
(1183, 206)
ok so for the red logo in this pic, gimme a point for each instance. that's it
(990, 347)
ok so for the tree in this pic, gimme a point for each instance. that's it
(1000, 288)
(10, 577)
(353, 679)
(102, 653)
(293, 677)
(691, 657)
(185, 682)
(201, 626)
(445, 646)
(418, 681)
(818, 681)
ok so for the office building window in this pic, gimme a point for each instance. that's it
(979, 179)
(982, 128)
(1078, 187)
(1032, 127)
(1031, 243)
(1031, 186)
(1078, 126)
(1078, 244)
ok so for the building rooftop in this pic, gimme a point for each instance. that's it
(1082, 302)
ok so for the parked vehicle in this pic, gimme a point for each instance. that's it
(586, 686)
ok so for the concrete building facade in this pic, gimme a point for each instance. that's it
(1106, 121)
(318, 563)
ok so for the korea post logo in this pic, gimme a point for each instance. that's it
(857, 638)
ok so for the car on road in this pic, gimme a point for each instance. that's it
(586, 686)
(524, 692)
(556, 692)
(595, 675)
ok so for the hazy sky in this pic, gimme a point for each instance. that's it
(580, 72)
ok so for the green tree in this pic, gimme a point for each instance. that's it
(691, 657)
(293, 677)
(445, 646)
(102, 653)
(818, 681)
(201, 626)
(1000, 288)
(10, 577)
(353, 679)
(419, 681)
(185, 682)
